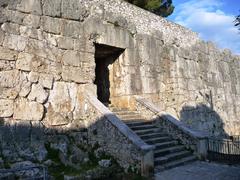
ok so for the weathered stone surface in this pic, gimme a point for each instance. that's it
(52, 25)
(73, 10)
(52, 8)
(71, 58)
(71, 29)
(32, 20)
(25, 110)
(7, 54)
(2, 35)
(55, 118)
(6, 65)
(9, 79)
(38, 94)
(15, 42)
(46, 80)
(75, 74)
(66, 43)
(33, 77)
(30, 6)
(24, 61)
(25, 89)
(6, 108)
(10, 28)
(63, 96)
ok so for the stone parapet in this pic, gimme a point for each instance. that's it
(195, 140)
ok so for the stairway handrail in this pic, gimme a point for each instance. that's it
(122, 127)
(172, 119)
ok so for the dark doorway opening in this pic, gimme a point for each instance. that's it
(104, 56)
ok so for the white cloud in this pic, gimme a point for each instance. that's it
(207, 18)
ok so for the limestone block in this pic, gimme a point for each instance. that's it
(46, 80)
(6, 108)
(66, 43)
(38, 94)
(44, 50)
(75, 74)
(71, 29)
(25, 89)
(14, 16)
(7, 54)
(25, 110)
(62, 97)
(15, 42)
(10, 28)
(55, 119)
(24, 61)
(9, 79)
(32, 20)
(71, 58)
(8, 93)
(33, 77)
(52, 25)
(30, 6)
(73, 10)
(52, 8)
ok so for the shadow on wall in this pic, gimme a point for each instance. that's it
(77, 150)
(203, 118)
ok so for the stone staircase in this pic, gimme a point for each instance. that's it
(168, 153)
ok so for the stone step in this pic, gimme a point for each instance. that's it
(171, 157)
(165, 144)
(164, 151)
(137, 123)
(125, 112)
(142, 127)
(130, 116)
(155, 140)
(147, 131)
(152, 135)
(175, 163)
(115, 109)
(140, 118)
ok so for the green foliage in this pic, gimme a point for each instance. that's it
(160, 7)
(237, 22)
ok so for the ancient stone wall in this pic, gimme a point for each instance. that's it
(47, 64)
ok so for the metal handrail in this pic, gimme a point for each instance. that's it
(14, 170)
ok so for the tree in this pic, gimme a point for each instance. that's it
(160, 7)
(237, 22)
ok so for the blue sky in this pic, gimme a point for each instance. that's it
(212, 19)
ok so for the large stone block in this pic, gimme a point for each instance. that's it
(76, 74)
(6, 108)
(55, 118)
(7, 54)
(24, 61)
(25, 110)
(30, 6)
(46, 80)
(71, 58)
(52, 25)
(52, 8)
(15, 42)
(72, 29)
(9, 79)
(66, 43)
(32, 20)
(73, 10)
(62, 97)
(11, 28)
(38, 94)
